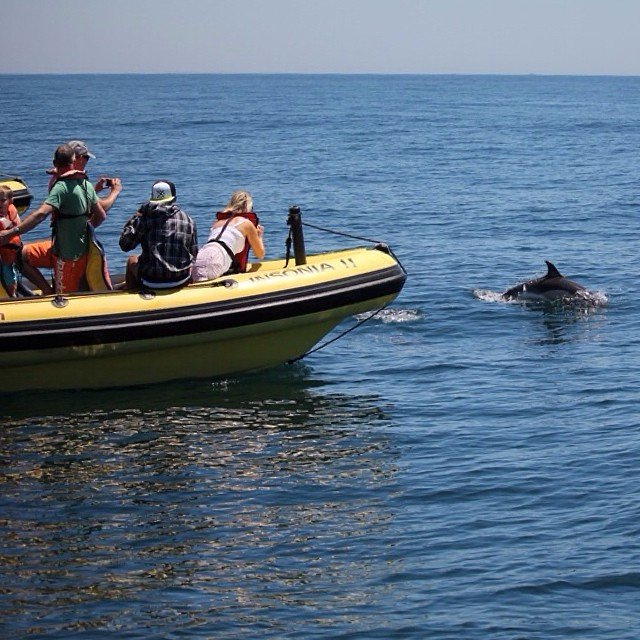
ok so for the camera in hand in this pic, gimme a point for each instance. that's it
(107, 182)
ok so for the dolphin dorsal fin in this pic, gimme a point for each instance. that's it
(552, 272)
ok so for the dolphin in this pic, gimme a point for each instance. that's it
(552, 286)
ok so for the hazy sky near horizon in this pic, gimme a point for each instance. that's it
(321, 36)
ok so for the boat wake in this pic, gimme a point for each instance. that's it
(393, 316)
(488, 296)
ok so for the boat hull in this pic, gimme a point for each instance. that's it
(262, 318)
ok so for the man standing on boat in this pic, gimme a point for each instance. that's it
(71, 203)
(38, 255)
(168, 238)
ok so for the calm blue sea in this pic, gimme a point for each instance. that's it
(457, 468)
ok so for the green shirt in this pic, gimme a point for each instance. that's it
(72, 199)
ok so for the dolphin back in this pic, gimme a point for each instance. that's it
(552, 286)
(552, 272)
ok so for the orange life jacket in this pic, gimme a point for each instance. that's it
(9, 251)
(239, 264)
(73, 174)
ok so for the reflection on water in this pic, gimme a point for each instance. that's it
(280, 382)
(564, 325)
(563, 320)
(212, 514)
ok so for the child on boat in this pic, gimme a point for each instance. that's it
(9, 252)
(11, 262)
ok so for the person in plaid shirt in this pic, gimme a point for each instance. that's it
(168, 238)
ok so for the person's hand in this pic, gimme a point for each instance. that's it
(4, 237)
(260, 230)
(113, 184)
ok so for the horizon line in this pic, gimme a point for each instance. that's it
(318, 73)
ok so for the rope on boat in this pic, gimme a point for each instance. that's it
(354, 237)
(383, 246)
(341, 335)
(340, 233)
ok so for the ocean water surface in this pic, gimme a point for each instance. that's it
(458, 467)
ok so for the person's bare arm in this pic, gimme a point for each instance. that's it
(254, 236)
(98, 214)
(31, 221)
(108, 200)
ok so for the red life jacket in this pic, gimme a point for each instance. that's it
(240, 259)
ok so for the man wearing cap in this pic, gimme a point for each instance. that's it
(80, 165)
(82, 158)
(38, 255)
(72, 202)
(168, 238)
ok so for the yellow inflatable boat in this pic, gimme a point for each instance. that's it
(21, 195)
(271, 314)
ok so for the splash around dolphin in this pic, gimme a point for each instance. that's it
(552, 288)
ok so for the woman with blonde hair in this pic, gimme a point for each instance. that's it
(234, 231)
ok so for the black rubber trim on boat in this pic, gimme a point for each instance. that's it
(210, 316)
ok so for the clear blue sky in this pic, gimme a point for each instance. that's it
(311, 36)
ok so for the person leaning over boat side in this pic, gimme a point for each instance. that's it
(71, 203)
(234, 231)
(168, 237)
(38, 255)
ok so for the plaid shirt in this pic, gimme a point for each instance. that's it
(169, 242)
